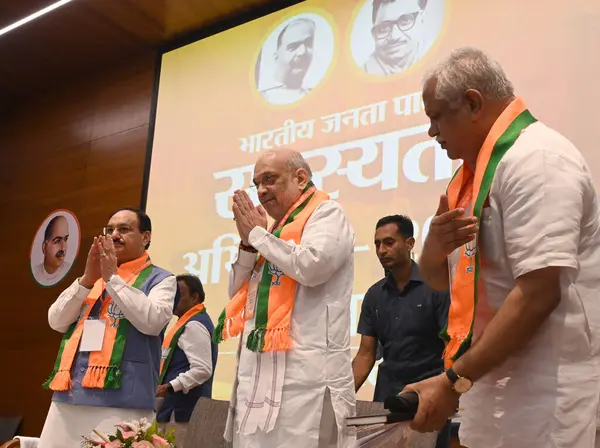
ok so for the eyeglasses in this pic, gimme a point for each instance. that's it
(123, 230)
(404, 23)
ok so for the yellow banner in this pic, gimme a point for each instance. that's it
(340, 81)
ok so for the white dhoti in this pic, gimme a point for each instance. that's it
(66, 424)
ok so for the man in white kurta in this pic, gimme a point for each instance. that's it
(314, 380)
(76, 412)
(535, 357)
(543, 211)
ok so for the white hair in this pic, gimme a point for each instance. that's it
(469, 68)
(297, 162)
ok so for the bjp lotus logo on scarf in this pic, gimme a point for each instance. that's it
(114, 313)
(470, 251)
(274, 270)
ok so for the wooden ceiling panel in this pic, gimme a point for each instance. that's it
(11, 11)
(87, 35)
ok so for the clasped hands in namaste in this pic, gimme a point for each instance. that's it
(449, 230)
(101, 261)
(246, 215)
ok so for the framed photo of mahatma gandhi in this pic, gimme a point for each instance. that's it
(55, 247)
(294, 58)
(389, 36)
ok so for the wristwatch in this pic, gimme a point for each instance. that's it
(461, 385)
(170, 388)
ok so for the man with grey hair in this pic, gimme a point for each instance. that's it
(290, 289)
(516, 239)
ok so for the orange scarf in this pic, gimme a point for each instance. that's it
(469, 189)
(168, 346)
(276, 291)
(104, 366)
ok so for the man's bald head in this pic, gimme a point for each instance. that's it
(294, 52)
(292, 160)
(280, 177)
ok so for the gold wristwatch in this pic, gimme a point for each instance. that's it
(461, 385)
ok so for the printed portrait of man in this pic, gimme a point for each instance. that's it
(398, 34)
(54, 249)
(292, 60)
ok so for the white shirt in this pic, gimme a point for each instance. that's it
(320, 359)
(46, 279)
(543, 211)
(149, 314)
(195, 342)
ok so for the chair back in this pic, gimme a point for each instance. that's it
(207, 424)
(9, 427)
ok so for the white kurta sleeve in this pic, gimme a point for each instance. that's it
(196, 345)
(327, 242)
(542, 207)
(151, 313)
(241, 271)
(65, 310)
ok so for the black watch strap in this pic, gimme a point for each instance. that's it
(170, 388)
(452, 376)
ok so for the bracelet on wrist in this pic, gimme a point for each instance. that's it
(247, 248)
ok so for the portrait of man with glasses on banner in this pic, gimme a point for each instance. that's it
(400, 35)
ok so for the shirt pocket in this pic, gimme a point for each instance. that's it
(491, 238)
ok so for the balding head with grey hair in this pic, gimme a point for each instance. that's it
(464, 95)
(280, 176)
(297, 162)
(469, 68)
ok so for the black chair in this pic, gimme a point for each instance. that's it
(9, 427)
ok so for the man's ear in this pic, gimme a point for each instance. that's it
(410, 242)
(474, 101)
(146, 237)
(44, 244)
(303, 178)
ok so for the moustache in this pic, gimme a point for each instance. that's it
(398, 42)
(119, 243)
(60, 254)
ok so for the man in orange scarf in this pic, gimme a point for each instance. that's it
(108, 362)
(517, 240)
(188, 359)
(290, 290)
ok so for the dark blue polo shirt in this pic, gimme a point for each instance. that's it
(407, 324)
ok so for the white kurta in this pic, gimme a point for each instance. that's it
(543, 211)
(318, 369)
(196, 344)
(67, 423)
(46, 279)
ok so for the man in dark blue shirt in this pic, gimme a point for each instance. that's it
(404, 315)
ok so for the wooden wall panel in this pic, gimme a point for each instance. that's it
(80, 147)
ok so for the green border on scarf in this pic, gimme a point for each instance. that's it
(172, 346)
(113, 376)
(503, 144)
(256, 338)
